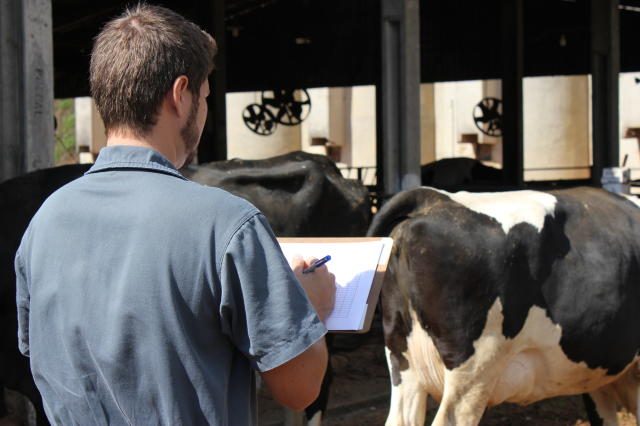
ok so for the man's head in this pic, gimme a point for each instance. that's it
(136, 62)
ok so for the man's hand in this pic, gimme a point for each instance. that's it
(320, 285)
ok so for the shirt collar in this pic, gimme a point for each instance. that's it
(133, 157)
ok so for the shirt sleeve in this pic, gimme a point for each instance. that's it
(22, 304)
(263, 308)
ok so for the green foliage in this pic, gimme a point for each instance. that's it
(65, 150)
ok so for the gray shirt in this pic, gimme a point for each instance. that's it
(144, 298)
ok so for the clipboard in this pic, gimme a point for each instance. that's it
(343, 243)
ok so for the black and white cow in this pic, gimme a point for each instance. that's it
(300, 194)
(510, 297)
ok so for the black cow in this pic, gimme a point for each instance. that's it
(453, 174)
(20, 198)
(510, 297)
(300, 194)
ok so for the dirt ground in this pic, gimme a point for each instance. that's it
(360, 394)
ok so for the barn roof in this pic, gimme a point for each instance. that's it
(313, 43)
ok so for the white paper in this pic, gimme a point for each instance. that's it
(354, 265)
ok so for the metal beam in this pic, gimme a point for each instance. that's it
(605, 69)
(213, 145)
(512, 23)
(399, 156)
(26, 90)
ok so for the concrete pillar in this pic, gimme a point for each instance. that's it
(454, 104)
(556, 128)
(363, 128)
(630, 122)
(445, 119)
(629, 101)
(427, 123)
(26, 93)
(317, 123)
(340, 121)
(90, 133)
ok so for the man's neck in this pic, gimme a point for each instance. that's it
(168, 150)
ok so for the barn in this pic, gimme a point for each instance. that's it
(392, 86)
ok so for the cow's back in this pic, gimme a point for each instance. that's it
(301, 194)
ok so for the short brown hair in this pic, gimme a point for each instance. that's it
(137, 57)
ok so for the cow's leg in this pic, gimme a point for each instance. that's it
(637, 413)
(638, 406)
(408, 397)
(606, 406)
(624, 392)
(592, 412)
(465, 398)
(635, 375)
(468, 387)
(408, 405)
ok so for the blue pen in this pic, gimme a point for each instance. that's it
(318, 263)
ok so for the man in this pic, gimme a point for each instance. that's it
(144, 298)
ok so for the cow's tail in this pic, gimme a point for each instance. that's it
(401, 207)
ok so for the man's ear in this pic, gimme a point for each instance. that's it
(180, 96)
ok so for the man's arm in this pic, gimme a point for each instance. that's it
(296, 384)
(276, 324)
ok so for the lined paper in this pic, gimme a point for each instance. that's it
(354, 265)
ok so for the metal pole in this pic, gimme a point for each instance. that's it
(512, 96)
(605, 69)
(400, 95)
(213, 146)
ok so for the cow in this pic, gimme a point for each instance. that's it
(458, 173)
(20, 198)
(510, 297)
(300, 194)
